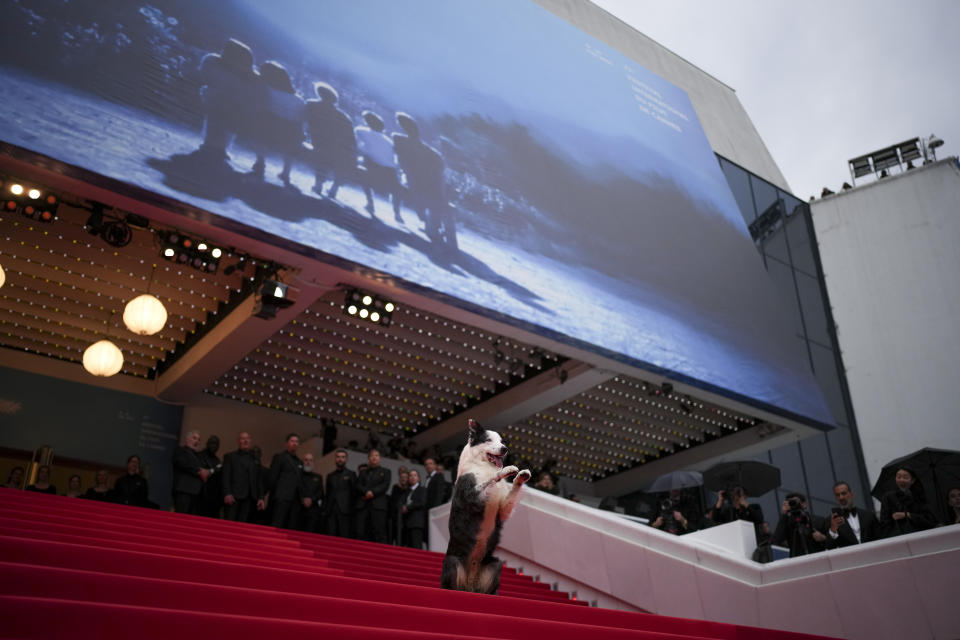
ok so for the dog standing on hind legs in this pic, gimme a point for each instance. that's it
(482, 502)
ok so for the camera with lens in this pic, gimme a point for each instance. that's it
(666, 506)
(795, 504)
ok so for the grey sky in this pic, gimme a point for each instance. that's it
(823, 81)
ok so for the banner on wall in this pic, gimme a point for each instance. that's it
(490, 152)
(122, 424)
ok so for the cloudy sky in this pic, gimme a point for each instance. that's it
(823, 81)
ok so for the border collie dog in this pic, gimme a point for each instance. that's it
(482, 502)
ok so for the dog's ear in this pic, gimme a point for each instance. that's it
(476, 433)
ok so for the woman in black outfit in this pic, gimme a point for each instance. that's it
(42, 485)
(905, 509)
(100, 491)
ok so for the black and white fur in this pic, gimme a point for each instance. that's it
(482, 502)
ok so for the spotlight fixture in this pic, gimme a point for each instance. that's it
(182, 249)
(30, 201)
(272, 296)
(368, 307)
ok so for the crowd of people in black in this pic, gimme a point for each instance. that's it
(258, 108)
(903, 510)
(290, 494)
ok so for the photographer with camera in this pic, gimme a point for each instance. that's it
(671, 515)
(732, 505)
(797, 529)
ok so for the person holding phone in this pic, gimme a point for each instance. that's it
(849, 525)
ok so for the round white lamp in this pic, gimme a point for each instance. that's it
(145, 315)
(103, 358)
(3, 277)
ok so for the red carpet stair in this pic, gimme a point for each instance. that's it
(78, 569)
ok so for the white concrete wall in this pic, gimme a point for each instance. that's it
(891, 258)
(897, 588)
(728, 128)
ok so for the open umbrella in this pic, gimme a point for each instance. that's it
(756, 478)
(938, 471)
(676, 480)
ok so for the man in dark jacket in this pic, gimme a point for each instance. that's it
(189, 474)
(311, 496)
(211, 496)
(372, 501)
(414, 512)
(284, 482)
(797, 529)
(340, 491)
(242, 482)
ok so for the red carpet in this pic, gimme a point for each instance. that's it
(79, 569)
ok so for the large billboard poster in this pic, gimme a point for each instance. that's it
(488, 151)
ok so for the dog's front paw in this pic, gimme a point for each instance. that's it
(522, 477)
(506, 472)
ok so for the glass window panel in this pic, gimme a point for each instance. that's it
(825, 371)
(811, 302)
(739, 182)
(775, 245)
(800, 251)
(764, 194)
(821, 507)
(787, 459)
(845, 465)
(816, 461)
(782, 276)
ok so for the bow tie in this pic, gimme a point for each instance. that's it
(846, 513)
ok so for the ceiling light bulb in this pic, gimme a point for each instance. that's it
(103, 358)
(33, 194)
(16, 189)
(145, 315)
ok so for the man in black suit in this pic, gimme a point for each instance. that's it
(189, 474)
(242, 482)
(447, 485)
(372, 503)
(414, 512)
(848, 524)
(311, 496)
(340, 490)
(211, 496)
(284, 483)
(435, 484)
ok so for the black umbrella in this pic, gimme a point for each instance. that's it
(756, 478)
(675, 480)
(938, 471)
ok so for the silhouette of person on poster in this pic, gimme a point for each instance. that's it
(230, 98)
(280, 121)
(331, 133)
(379, 162)
(422, 168)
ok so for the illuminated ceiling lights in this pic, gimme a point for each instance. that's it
(145, 315)
(103, 358)
(30, 201)
(200, 255)
(369, 307)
